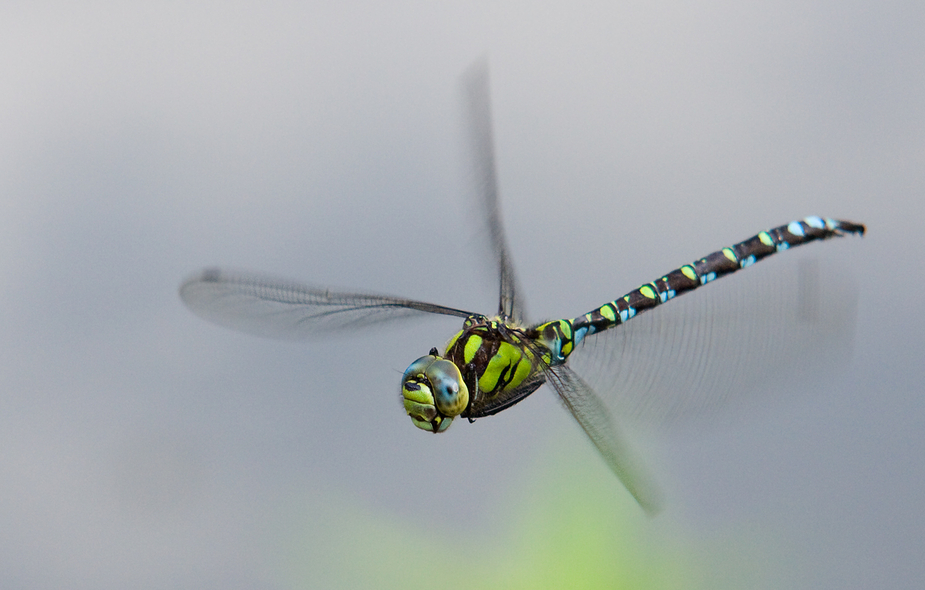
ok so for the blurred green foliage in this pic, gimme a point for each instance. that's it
(564, 523)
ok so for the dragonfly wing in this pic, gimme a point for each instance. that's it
(278, 308)
(482, 147)
(599, 425)
(765, 329)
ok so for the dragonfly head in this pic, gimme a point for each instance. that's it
(433, 392)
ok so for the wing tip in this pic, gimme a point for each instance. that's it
(206, 275)
(653, 504)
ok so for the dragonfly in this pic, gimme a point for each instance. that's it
(495, 361)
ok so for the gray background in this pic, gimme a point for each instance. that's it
(141, 447)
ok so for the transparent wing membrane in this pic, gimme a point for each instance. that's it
(482, 148)
(277, 308)
(593, 416)
(766, 329)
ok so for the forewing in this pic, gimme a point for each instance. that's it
(482, 155)
(278, 308)
(599, 425)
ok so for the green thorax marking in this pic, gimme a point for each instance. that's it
(502, 356)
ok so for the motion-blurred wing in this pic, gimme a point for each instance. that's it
(768, 328)
(601, 428)
(478, 102)
(278, 308)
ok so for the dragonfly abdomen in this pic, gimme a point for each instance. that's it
(562, 336)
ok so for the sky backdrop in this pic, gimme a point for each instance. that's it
(142, 447)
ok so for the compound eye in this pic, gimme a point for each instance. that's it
(450, 393)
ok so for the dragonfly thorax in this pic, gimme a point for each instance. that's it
(491, 354)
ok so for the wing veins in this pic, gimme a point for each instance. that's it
(272, 307)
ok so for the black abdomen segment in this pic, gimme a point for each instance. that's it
(708, 269)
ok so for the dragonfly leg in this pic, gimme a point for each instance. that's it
(472, 382)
